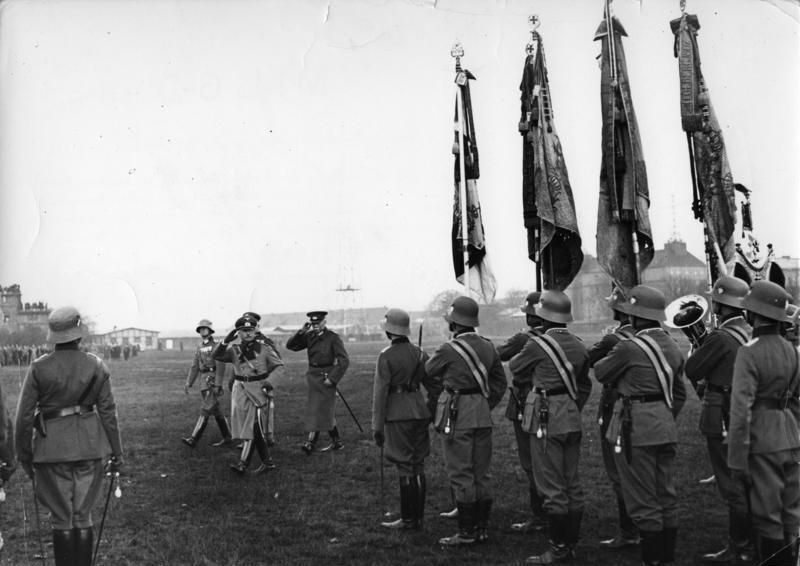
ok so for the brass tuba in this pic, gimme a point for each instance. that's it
(687, 313)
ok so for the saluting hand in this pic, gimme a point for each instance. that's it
(230, 337)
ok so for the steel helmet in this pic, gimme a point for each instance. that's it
(645, 302)
(64, 325)
(729, 291)
(397, 321)
(767, 299)
(554, 306)
(204, 323)
(530, 303)
(616, 300)
(463, 311)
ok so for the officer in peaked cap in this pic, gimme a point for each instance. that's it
(712, 362)
(646, 369)
(254, 363)
(401, 415)
(627, 535)
(211, 373)
(463, 416)
(327, 364)
(764, 437)
(266, 414)
(559, 365)
(520, 388)
(66, 428)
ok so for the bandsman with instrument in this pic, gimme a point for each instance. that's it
(627, 535)
(469, 370)
(66, 428)
(253, 364)
(401, 415)
(211, 373)
(710, 370)
(558, 364)
(518, 392)
(647, 370)
(327, 363)
(764, 436)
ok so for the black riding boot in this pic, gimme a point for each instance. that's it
(466, 526)
(769, 551)
(244, 460)
(84, 544)
(224, 430)
(199, 427)
(559, 550)
(407, 518)
(484, 510)
(263, 451)
(669, 538)
(422, 489)
(652, 547)
(310, 443)
(63, 547)
(336, 440)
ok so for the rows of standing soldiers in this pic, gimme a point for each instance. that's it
(744, 369)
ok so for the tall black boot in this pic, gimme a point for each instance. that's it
(453, 513)
(84, 545)
(628, 533)
(244, 460)
(769, 551)
(224, 430)
(63, 547)
(482, 524)
(336, 440)
(740, 545)
(199, 427)
(651, 547)
(263, 451)
(538, 520)
(407, 518)
(466, 526)
(791, 549)
(559, 550)
(573, 534)
(311, 441)
(669, 538)
(422, 489)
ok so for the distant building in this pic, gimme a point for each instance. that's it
(16, 315)
(145, 339)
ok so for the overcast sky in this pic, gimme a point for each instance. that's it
(164, 161)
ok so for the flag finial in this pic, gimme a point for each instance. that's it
(533, 21)
(458, 52)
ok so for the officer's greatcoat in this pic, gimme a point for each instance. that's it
(211, 373)
(326, 358)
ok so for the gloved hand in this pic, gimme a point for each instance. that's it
(379, 438)
(114, 464)
(230, 337)
(306, 327)
(328, 383)
(742, 477)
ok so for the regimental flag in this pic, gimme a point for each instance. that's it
(713, 176)
(548, 209)
(481, 279)
(623, 208)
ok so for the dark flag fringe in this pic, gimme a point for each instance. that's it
(481, 279)
(548, 207)
(624, 200)
(715, 202)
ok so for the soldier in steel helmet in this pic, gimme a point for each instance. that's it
(327, 363)
(519, 390)
(211, 373)
(627, 534)
(647, 370)
(558, 364)
(469, 370)
(254, 363)
(66, 428)
(764, 437)
(401, 415)
(711, 363)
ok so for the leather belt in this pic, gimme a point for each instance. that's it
(403, 388)
(771, 404)
(717, 389)
(67, 411)
(320, 366)
(251, 378)
(643, 398)
(467, 391)
(551, 392)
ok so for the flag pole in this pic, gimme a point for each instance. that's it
(458, 51)
(531, 49)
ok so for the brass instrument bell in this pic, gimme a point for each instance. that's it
(687, 313)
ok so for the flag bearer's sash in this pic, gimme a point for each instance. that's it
(479, 371)
(559, 359)
(738, 334)
(656, 356)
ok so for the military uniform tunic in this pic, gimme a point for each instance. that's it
(647, 483)
(468, 449)
(68, 461)
(326, 358)
(764, 437)
(398, 407)
(253, 362)
(211, 373)
(556, 454)
(713, 362)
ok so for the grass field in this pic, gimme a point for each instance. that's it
(181, 506)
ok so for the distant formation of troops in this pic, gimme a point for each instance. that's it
(746, 370)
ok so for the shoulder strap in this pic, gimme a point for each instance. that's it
(560, 361)
(479, 371)
(656, 357)
(738, 334)
(87, 390)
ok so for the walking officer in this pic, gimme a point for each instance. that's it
(558, 364)
(627, 534)
(712, 363)
(253, 363)
(469, 370)
(763, 437)
(400, 415)
(647, 370)
(66, 428)
(266, 414)
(327, 363)
(516, 404)
(211, 373)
